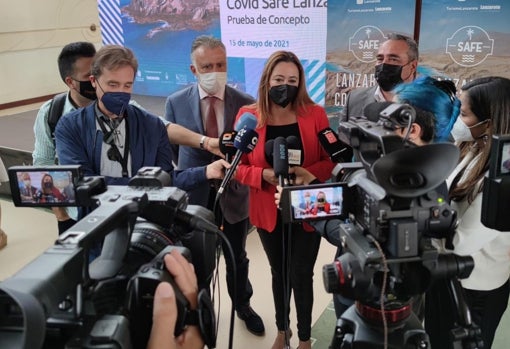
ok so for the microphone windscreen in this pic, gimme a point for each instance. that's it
(268, 151)
(280, 157)
(247, 120)
(373, 110)
(227, 147)
(335, 148)
(246, 140)
(293, 142)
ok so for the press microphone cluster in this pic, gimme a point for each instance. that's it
(336, 149)
(245, 140)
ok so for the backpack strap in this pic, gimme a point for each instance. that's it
(55, 112)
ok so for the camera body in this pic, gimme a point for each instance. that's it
(65, 299)
(496, 186)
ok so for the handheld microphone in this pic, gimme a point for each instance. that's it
(268, 151)
(227, 147)
(247, 120)
(294, 150)
(333, 145)
(244, 141)
(281, 160)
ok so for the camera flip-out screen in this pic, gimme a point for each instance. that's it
(500, 156)
(44, 186)
(312, 202)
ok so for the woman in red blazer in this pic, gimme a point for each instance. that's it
(284, 108)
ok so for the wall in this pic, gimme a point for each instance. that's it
(32, 33)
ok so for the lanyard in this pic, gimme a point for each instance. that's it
(114, 152)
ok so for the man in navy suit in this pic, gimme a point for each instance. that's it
(209, 107)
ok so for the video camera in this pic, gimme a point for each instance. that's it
(393, 205)
(65, 299)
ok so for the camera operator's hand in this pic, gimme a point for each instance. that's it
(277, 195)
(165, 308)
(303, 176)
(216, 170)
(269, 176)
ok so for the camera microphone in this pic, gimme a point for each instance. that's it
(333, 145)
(244, 141)
(373, 110)
(227, 147)
(397, 114)
(281, 160)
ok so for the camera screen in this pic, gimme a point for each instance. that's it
(316, 201)
(49, 186)
(500, 156)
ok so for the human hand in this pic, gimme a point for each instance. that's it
(165, 307)
(269, 176)
(303, 176)
(278, 195)
(212, 145)
(216, 170)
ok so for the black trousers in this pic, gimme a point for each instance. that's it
(236, 234)
(292, 254)
(486, 308)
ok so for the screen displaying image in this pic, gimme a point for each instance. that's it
(316, 203)
(45, 188)
(505, 158)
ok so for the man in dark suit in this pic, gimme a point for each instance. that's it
(209, 107)
(397, 62)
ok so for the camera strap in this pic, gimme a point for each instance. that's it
(109, 138)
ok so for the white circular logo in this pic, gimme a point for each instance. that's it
(365, 43)
(469, 46)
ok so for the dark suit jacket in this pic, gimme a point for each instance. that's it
(356, 101)
(183, 108)
(78, 141)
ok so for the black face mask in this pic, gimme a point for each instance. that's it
(48, 185)
(87, 90)
(282, 95)
(388, 76)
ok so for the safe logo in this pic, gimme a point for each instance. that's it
(469, 46)
(365, 42)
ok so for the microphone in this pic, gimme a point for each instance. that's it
(268, 151)
(244, 141)
(294, 150)
(281, 160)
(373, 110)
(227, 147)
(396, 113)
(333, 145)
(247, 120)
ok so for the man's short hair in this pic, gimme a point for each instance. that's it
(70, 54)
(208, 41)
(413, 52)
(113, 57)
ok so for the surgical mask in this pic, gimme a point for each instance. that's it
(284, 94)
(388, 76)
(461, 132)
(27, 183)
(87, 90)
(212, 83)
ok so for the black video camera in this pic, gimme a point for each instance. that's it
(393, 205)
(496, 186)
(63, 299)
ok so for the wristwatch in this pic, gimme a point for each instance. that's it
(202, 142)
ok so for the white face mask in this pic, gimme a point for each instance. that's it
(461, 132)
(212, 82)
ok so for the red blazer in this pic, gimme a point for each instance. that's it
(311, 120)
